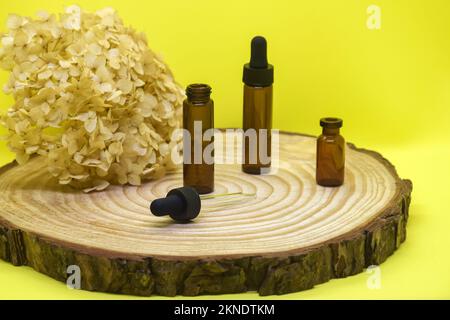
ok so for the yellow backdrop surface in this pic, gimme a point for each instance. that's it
(391, 86)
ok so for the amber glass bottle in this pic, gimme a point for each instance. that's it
(258, 80)
(330, 167)
(198, 117)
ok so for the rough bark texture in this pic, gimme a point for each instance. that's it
(272, 274)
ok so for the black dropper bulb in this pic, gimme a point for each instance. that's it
(258, 58)
(258, 72)
(182, 204)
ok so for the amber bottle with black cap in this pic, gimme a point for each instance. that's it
(258, 80)
(330, 167)
(198, 118)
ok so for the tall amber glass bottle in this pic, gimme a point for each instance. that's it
(330, 166)
(258, 80)
(198, 117)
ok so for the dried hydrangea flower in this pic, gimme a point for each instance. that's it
(91, 97)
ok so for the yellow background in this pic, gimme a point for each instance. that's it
(391, 86)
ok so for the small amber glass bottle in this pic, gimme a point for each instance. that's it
(258, 90)
(198, 117)
(330, 167)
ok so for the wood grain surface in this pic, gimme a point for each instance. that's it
(289, 236)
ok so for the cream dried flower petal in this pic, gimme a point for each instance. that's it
(45, 75)
(139, 83)
(65, 64)
(116, 94)
(14, 22)
(95, 49)
(125, 86)
(7, 41)
(107, 16)
(105, 87)
(43, 15)
(31, 150)
(73, 10)
(90, 125)
(134, 179)
(99, 185)
(82, 117)
(22, 157)
(72, 23)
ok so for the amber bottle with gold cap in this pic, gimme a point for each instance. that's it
(330, 166)
(198, 118)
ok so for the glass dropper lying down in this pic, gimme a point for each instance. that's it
(184, 204)
(226, 199)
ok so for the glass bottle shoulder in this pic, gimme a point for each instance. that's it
(334, 138)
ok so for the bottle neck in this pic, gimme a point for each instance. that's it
(198, 93)
(330, 131)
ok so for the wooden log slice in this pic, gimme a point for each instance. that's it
(292, 235)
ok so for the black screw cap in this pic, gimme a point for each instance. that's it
(181, 204)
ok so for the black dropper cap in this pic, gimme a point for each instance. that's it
(258, 73)
(182, 204)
